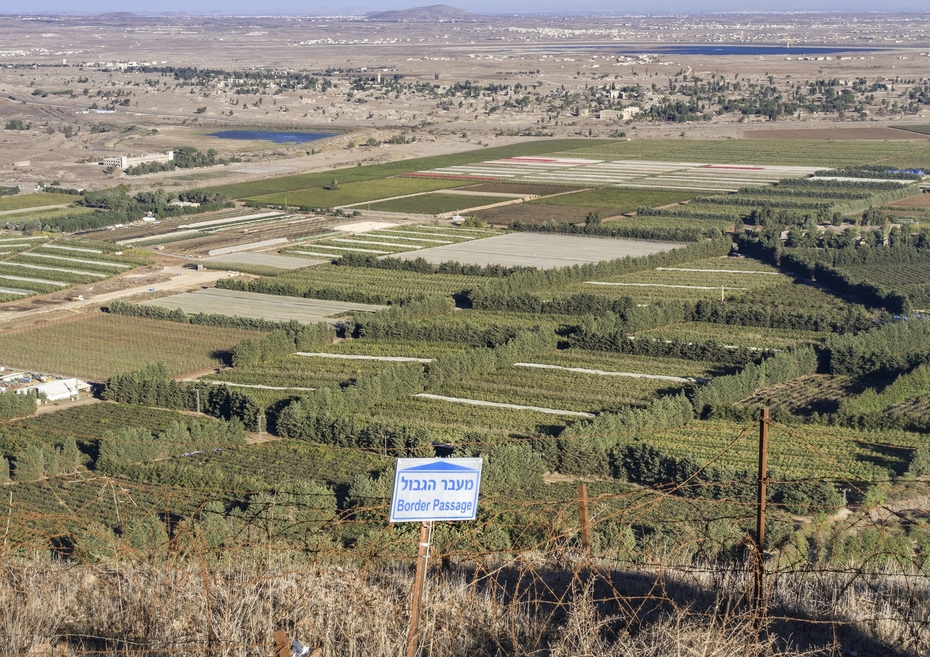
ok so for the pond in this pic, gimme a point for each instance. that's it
(271, 135)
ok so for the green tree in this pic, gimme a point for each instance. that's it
(30, 463)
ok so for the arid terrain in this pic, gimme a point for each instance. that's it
(92, 87)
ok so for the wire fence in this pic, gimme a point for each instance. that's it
(101, 565)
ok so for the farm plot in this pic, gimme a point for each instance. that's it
(437, 203)
(626, 363)
(542, 251)
(720, 177)
(36, 267)
(386, 241)
(296, 374)
(242, 236)
(87, 423)
(795, 452)
(479, 327)
(560, 389)
(40, 199)
(263, 306)
(677, 175)
(705, 279)
(357, 284)
(262, 260)
(389, 348)
(817, 393)
(453, 422)
(97, 346)
(610, 200)
(776, 152)
(353, 193)
(510, 168)
(736, 336)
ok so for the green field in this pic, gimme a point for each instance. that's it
(97, 346)
(740, 336)
(560, 389)
(802, 451)
(36, 200)
(377, 171)
(299, 372)
(358, 192)
(437, 203)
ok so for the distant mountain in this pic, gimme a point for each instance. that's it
(431, 14)
(119, 15)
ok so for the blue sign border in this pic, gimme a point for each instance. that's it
(440, 465)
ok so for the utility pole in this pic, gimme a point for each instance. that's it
(197, 393)
(758, 592)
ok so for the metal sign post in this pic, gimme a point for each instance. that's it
(427, 490)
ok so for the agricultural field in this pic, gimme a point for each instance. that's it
(542, 251)
(453, 422)
(627, 363)
(437, 203)
(395, 349)
(893, 275)
(353, 193)
(816, 393)
(30, 265)
(795, 452)
(295, 374)
(356, 284)
(562, 389)
(96, 346)
(87, 423)
(737, 336)
(774, 152)
(617, 200)
(684, 176)
(704, 279)
(380, 171)
(261, 306)
(250, 261)
(37, 200)
(386, 241)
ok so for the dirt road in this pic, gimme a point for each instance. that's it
(177, 279)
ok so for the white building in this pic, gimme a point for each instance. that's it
(126, 161)
(58, 390)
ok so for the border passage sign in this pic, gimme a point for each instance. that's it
(436, 489)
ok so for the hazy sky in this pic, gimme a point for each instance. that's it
(482, 6)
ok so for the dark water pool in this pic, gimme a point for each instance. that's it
(271, 135)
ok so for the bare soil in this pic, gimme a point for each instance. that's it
(920, 201)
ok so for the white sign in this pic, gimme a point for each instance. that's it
(436, 489)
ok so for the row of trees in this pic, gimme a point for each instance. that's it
(18, 405)
(130, 445)
(282, 341)
(893, 347)
(627, 230)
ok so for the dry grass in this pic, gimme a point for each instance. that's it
(168, 607)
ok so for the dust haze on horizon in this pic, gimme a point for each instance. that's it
(327, 7)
